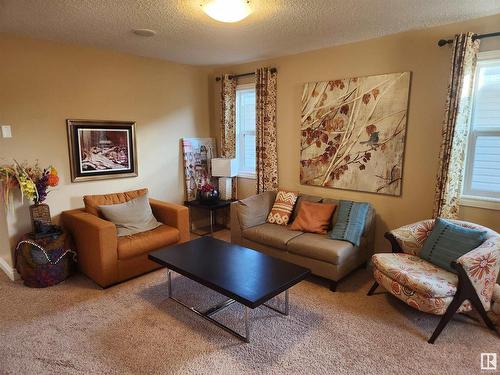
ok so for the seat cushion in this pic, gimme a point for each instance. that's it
(93, 201)
(142, 243)
(271, 234)
(417, 274)
(431, 305)
(320, 247)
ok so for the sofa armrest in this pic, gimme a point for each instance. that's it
(96, 244)
(368, 236)
(411, 237)
(172, 214)
(235, 223)
(482, 266)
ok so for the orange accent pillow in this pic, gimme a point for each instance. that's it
(313, 217)
(283, 207)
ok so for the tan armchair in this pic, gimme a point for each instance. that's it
(432, 289)
(108, 259)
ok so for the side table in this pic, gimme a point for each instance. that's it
(211, 208)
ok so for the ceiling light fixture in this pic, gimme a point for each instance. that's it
(144, 32)
(227, 10)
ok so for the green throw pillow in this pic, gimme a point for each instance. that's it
(448, 242)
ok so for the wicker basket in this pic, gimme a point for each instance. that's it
(44, 262)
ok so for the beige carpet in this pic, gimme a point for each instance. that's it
(132, 328)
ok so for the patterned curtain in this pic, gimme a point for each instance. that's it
(266, 147)
(455, 126)
(228, 117)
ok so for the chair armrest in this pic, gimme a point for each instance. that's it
(410, 238)
(482, 266)
(172, 214)
(96, 244)
(395, 247)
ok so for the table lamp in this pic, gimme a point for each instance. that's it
(225, 169)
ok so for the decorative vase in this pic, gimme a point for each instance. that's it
(208, 197)
(40, 214)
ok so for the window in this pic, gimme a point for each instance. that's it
(245, 130)
(482, 172)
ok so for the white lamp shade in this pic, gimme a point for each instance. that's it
(222, 167)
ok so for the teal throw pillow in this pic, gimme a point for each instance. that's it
(448, 242)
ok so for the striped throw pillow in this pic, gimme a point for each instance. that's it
(282, 208)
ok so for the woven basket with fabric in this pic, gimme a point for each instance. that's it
(44, 262)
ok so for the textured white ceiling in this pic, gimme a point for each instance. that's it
(187, 35)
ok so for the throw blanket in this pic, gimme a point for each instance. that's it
(350, 222)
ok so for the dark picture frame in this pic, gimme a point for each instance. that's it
(101, 149)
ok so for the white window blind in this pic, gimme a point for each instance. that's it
(482, 172)
(245, 127)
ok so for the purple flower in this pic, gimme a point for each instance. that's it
(41, 187)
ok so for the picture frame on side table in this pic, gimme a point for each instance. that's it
(101, 149)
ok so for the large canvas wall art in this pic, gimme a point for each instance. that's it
(101, 149)
(353, 133)
(198, 152)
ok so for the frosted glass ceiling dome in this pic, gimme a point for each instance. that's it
(227, 10)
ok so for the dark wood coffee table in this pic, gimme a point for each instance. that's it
(243, 275)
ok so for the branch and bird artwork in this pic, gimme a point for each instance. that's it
(353, 133)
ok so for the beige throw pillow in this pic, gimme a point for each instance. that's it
(134, 216)
(253, 211)
(282, 208)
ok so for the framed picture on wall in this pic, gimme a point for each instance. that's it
(101, 150)
(353, 133)
(198, 153)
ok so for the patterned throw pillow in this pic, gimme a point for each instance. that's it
(282, 208)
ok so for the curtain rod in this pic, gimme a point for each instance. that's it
(273, 70)
(443, 42)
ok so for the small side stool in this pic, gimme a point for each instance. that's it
(45, 261)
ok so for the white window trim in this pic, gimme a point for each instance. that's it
(247, 175)
(480, 202)
(243, 173)
(473, 200)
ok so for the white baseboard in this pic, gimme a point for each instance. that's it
(9, 271)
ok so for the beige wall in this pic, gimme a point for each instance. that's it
(43, 83)
(414, 51)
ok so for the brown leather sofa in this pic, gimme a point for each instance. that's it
(108, 259)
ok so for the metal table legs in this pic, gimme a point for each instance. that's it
(213, 225)
(215, 309)
(287, 307)
(211, 221)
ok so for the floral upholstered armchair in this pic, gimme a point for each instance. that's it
(434, 290)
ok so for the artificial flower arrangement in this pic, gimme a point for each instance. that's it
(32, 181)
(208, 193)
(207, 187)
